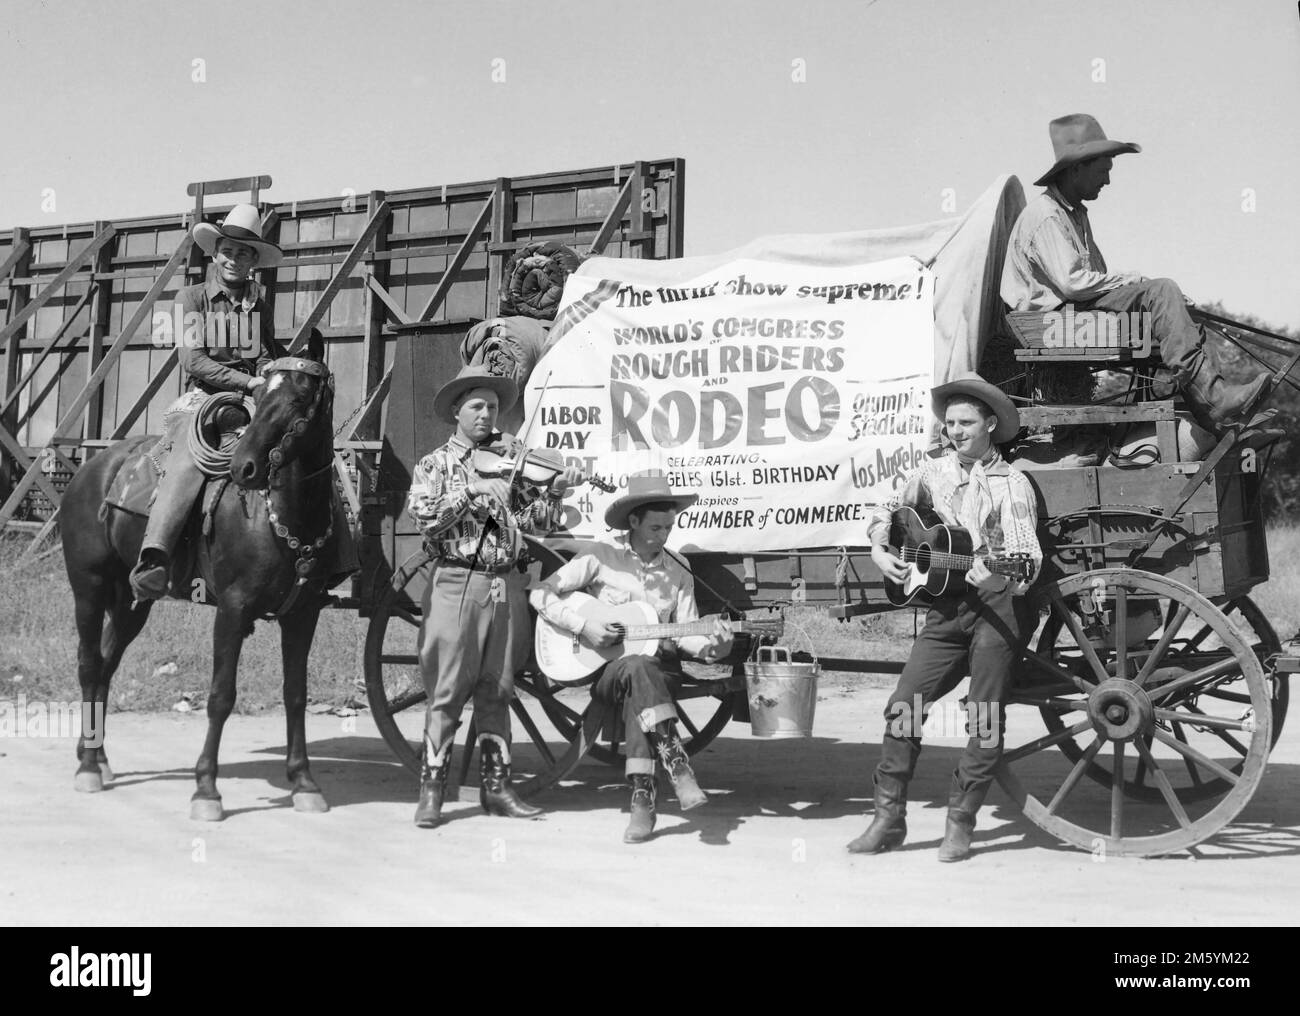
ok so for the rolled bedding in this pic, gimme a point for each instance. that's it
(534, 279)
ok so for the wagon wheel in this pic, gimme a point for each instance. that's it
(563, 726)
(702, 711)
(1193, 647)
(1152, 723)
(560, 734)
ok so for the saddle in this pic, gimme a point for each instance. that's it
(133, 487)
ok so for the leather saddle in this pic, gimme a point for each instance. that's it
(137, 478)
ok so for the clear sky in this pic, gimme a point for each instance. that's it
(901, 101)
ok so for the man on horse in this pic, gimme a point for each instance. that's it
(225, 335)
(635, 565)
(473, 519)
(1052, 260)
(979, 630)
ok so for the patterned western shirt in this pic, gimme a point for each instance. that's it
(1052, 257)
(1008, 516)
(453, 522)
(612, 572)
(236, 340)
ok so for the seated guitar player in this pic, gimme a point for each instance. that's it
(634, 565)
(979, 630)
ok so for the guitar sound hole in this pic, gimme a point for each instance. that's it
(922, 560)
(622, 632)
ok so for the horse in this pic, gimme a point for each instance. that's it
(262, 557)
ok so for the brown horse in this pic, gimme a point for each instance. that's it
(265, 555)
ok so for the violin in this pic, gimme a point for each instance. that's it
(529, 468)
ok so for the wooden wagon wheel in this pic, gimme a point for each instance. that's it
(1132, 711)
(562, 727)
(1194, 646)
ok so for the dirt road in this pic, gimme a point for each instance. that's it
(767, 849)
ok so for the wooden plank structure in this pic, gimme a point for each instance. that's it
(78, 369)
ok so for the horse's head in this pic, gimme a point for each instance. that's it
(293, 417)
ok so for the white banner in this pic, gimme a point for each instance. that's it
(790, 398)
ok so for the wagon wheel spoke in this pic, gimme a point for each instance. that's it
(405, 700)
(1200, 719)
(1061, 705)
(1076, 630)
(404, 659)
(536, 735)
(1192, 771)
(1046, 741)
(1162, 781)
(570, 714)
(1140, 775)
(1117, 793)
(406, 616)
(1161, 693)
(1075, 774)
(1195, 641)
(686, 722)
(1189, 752)
(1048, 667)
(1166, 639)
(1121, 631)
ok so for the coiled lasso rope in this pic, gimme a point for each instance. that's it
(213, 461)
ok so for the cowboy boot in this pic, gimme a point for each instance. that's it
(1216, 403)
(677, 764)
(495, 794)
(642, 823)
(433, 790)
(888, 826)
(962, 806)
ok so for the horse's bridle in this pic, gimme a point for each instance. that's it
(313, 368)
(306, 562)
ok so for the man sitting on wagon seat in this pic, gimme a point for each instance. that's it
(226, 337)
(1052, 259)
(636, 566)
(978, 631)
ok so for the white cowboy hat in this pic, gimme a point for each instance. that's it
(242, 224)
(991, 395)
(644, 488)
(1078, 137)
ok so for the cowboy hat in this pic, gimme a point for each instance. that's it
(469, 378)
(1078, 137)
(644, 488)
(992, 396)
(242, 224)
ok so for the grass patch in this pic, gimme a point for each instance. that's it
(171, 660)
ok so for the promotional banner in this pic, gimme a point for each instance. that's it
(790, 398)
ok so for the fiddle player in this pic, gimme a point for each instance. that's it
(978, 631)
(634, 565)
(472, 526)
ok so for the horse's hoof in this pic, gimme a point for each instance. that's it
(89, 783)
(106, 773)
(206, 809)
(310, 801)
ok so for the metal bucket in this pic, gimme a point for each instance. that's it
(782, 693)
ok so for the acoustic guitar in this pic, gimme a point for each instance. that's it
(939, 556)
(568, 659)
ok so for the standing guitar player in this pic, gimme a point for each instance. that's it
(978, 631)
(634, 565)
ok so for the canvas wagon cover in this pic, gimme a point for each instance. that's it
(965, 253)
